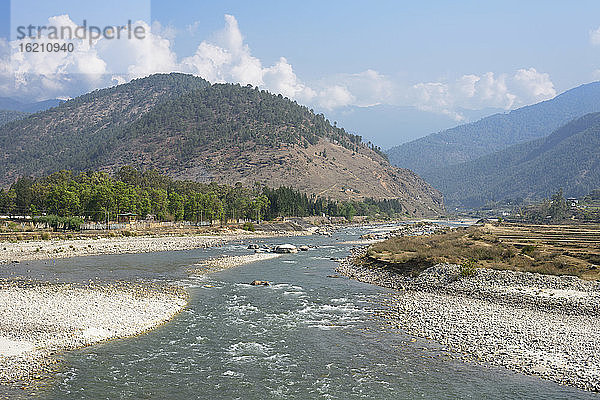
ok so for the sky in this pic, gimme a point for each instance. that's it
(444, 60)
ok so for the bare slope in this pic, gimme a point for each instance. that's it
(183, 126)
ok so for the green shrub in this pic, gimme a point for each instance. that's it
(128, 233)
(528, 249)
(46, 236)
(468, 268)
(249, 226)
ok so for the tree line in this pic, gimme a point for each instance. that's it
(98, 196)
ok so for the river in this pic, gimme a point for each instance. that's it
(306, 336)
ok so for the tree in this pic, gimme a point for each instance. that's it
(558, 207)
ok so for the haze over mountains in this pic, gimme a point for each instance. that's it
(387, 125)
(568, 159)
(496, 132)
(186, 127)
(528, 153)
(10, 104)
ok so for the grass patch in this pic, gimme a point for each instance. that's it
(555, 250)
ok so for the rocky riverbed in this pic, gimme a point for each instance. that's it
(38, 320)
(542, 325)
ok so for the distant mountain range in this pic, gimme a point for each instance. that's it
(528, 153)
(467, 142)
(186, 127)
(388, 125)
(9, 104)
(569, 158)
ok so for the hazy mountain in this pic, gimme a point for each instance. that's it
(7, 103)
(187, 128)
(494, 133)
(567, 159)
(388, 126)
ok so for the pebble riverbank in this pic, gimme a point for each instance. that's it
(541, 325)
(57, 248)
(38, 320)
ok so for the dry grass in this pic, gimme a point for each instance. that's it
(557, 250)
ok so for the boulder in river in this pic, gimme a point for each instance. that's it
(285, 248)
(259, 283)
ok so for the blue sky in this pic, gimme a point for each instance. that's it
(448, 58)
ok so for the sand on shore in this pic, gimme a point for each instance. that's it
(37, 320)
(541, 325)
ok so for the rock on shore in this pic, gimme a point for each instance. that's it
(542, 325)
(39, 319)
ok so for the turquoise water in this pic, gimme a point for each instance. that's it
(306, 336)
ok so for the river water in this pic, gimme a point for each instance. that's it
(306, 336)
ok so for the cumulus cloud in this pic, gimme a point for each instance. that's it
(474, 92)
(533, 85)
(93, 63)
(595, 36)
(225, 57)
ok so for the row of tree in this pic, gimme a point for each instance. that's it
(557, 209)
(98, 196)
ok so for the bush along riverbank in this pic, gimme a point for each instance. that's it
(543, 325)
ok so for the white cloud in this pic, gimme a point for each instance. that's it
(535, 86)
(225, 57)
(595, 36)
(475, 92)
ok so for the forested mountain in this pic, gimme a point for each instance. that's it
(568, 159)
(7, 116)
(467, 142)
(185, 127)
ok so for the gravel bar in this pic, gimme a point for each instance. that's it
(535, 324)
(38, 320)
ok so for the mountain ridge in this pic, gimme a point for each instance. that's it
(566, 159)
(494, 133)
(188, 128)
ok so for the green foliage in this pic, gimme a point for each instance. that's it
(554, 210)
(528, 249)
(248, 226)
(468, 268)
(56, 222)
(174, 118)
(528, 171)
(65, 200)
(7, 116)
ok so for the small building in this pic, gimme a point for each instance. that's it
(126, 218)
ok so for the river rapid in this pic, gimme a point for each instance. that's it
(307, 335)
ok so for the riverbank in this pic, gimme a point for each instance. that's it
(39, 320)
(59, 248)
(536, 324)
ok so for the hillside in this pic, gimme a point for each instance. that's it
(494, 133)
(7, 116)
(567, 159)
(187, 128)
